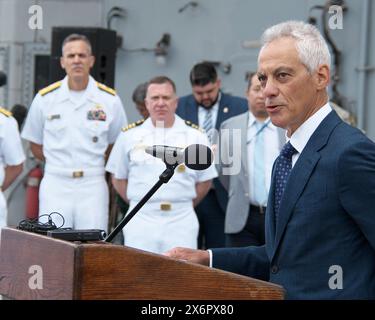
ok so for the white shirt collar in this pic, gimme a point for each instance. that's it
(178, 122)
(252, 120)
(65, 94)
(303, 134)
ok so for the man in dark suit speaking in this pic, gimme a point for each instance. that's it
(320, 219)
(208, 107)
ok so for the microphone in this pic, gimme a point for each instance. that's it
(195, 156)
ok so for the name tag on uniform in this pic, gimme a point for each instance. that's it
(53, 117)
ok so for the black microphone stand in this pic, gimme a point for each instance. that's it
(163, 178)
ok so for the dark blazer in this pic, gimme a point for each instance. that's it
(327, 218)
(229, 106)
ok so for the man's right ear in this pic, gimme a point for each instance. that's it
(322, 77)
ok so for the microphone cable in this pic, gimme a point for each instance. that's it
(35, 225)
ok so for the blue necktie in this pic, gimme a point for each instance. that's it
(207, 124)
(260, 192)
(283, 167)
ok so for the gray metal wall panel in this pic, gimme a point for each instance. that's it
(215, 30)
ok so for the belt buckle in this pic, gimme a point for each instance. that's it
(165, 206)
(77, 174)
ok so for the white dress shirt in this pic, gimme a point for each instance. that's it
(303, 134)
(202, 111)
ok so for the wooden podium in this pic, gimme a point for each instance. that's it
(75, 270)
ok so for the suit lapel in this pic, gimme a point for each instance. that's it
(300, 174)
(191, 112)
(220, 113)
(296, 183)
(270, 217)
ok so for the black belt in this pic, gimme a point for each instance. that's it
(260, 209)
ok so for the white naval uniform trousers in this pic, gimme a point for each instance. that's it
(83, 201)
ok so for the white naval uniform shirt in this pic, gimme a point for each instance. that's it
(75, 133)
(128, 160)
(11, 150)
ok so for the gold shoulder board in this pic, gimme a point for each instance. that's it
(103, 87)
(5, 112)
(50, 88)
(133, 125)
(194, 126)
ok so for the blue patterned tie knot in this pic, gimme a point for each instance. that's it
(283, 168)
(288, 151)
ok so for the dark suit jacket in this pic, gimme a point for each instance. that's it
(327, 218)
(229, 106)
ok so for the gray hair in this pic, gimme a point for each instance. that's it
(311, 46)
(76, 37)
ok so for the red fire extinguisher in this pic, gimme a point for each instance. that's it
(32, 192)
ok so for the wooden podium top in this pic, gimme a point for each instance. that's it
(33, 266)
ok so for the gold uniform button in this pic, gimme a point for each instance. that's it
(165, 206)
(181, 168)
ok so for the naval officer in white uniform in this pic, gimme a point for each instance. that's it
(11, 157)
(168, 219)
(72, 125)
